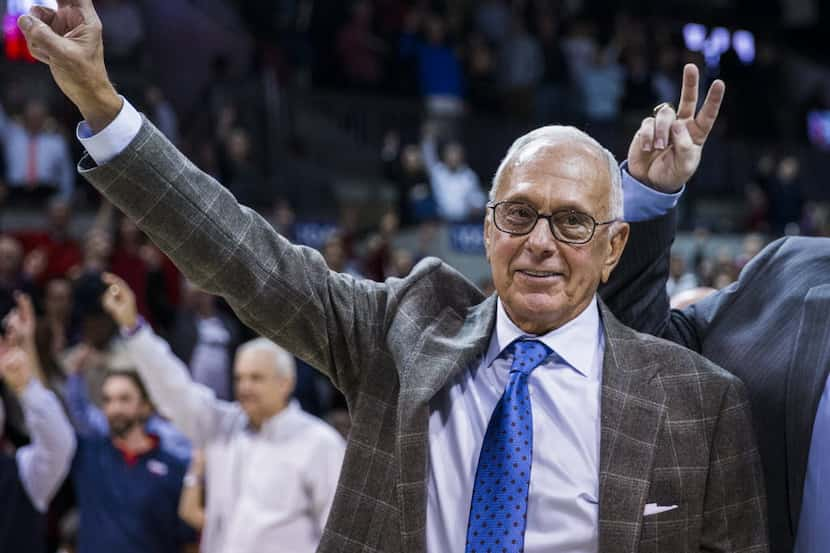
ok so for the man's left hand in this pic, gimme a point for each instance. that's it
(667, 148)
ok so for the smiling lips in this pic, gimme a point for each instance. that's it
(539, 274)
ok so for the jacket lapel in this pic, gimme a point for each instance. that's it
(632, 412)
(806, 379)
(453, 341)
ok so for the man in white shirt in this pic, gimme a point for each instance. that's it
(455, 186)
(271, 469)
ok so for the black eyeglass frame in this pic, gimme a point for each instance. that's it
(549, 217)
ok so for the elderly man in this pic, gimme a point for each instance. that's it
(272, 469)
(527, 421)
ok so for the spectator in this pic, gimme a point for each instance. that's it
(521, 67)
(61, 251)
(127, 480)
(161, 113)
(553, 99)
(664, 81)
(439, 69)
(58, 316)
(405, 167)
(359, 50)
(785, 196)
(123, 26)
(206, 339)
(492, 19)
(601, 85)
(12, 277)
(37, 157)
(239, 172)
(270, 468)
(639, 95)
(680, 279)
(30, 476)
(455, 186)
(482, 77)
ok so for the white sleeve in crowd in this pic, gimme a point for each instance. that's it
(44, 463)
(323, 475)
(191, 407)
(112, 139)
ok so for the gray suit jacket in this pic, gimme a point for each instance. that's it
(771, 328)
(675, 428)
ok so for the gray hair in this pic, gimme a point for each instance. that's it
(284, 363)
(554, 134)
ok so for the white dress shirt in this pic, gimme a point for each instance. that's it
(563, 506)
(273, 486)
(44, 463)
(457, 194)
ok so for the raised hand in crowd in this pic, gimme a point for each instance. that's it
(119, 301)
(19, 332)
(15, 368)
(667, 149)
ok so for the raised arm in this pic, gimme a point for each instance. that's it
(663, 155)
(191, 407)
(44, 463)
(286, 293)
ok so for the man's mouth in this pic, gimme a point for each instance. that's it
(539, 274)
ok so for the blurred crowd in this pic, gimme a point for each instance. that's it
(531, 62)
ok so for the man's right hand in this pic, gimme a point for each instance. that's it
(119, 301)
(69, 41)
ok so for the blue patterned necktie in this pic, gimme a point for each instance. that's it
(498, 512)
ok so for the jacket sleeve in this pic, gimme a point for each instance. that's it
(735, 516)
(282, 291)
(636, 292)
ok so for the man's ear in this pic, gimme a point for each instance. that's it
(616, 244)
(488, 232)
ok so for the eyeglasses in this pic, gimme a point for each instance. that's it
(567, 225)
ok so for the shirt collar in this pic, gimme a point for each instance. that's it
(576, 343)
(273, 424)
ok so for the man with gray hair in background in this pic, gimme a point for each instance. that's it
(527, 421)
(270, 468)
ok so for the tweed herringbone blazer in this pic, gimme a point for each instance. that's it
(675, 428)
(770, 329)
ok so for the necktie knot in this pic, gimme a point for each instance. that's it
(528, 354)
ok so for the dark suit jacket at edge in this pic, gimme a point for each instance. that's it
(675, 428)
(771, 328)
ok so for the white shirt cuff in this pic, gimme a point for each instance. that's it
(114, 138)
(641, 202)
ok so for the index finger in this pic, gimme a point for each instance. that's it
(111, 279)
(688, 95)
(705, 120)
(24, 304)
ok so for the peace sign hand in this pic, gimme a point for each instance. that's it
(666, 150)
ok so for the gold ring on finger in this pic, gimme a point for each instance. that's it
(660, 106)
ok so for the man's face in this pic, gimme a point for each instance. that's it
(124, 407)
(454, 155)
(260, 390)
(10, 256)
(58, 302)
(542, 282)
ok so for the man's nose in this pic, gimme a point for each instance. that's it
(541, 240)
